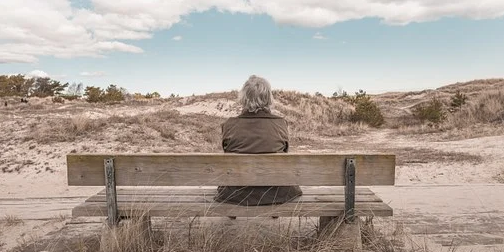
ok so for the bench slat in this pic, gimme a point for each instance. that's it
(230, 169)
(209, 198)
(205, 191)
(220, 209)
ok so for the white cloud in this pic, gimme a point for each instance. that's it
(37, 74)
(318, 35)
(35, 28)
(92, 74)
(177, 38)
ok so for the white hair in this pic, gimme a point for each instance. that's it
(256, 95)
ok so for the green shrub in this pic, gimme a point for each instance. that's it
(110, 95)
(154, 95)
(432, 112)
(458, 100)
(113, 94)
(70, 97)
(44, 87)
(57, 99)
(365, 109)
(93, 94)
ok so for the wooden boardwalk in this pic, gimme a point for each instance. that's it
(470, 217)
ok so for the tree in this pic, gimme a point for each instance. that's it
(46, 87)
(93, 94)
(340, 93)
(75, 89)
(114, 94)
(15, 85)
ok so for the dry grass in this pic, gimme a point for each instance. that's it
(250, 235)
(143, 130)
(11, 220)
(2, 244)
(423, 155)
(233, 95)
(474, 86)
(316, 115)
(488, 108)
(482, 116)
(253, 235)
(65, 129)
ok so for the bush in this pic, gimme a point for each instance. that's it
(365, 109)
(70, 97)
(138, 96)
(15, 85)
(458, 100)
(432, 112)
(44, 87)
(93, 94)
(113, 94)
(58, 99)
(154, 95)
(368, 112)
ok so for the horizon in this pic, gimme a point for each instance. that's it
(196, 48)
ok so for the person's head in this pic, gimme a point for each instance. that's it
(256, 95)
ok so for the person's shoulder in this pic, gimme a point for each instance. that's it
(230, 121)
(275, 116)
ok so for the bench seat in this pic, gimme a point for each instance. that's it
(190, 202)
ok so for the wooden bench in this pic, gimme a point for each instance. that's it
(167, 184)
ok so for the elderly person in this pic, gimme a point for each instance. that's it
(256, 131)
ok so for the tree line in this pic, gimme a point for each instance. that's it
(23, 86)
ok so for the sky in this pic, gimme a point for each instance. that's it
(201, 46)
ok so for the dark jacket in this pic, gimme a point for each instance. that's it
(255, 133)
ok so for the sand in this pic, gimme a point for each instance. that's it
(34, 172)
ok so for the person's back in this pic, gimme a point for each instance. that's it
(256, 131)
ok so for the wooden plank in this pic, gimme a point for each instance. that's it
(222, 209)
(209, 198)
(230, 169)
(349, 190)
(307, 190)
(110, 190)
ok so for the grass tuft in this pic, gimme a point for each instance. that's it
(11, 220)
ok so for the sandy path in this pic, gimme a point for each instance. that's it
(424, 162)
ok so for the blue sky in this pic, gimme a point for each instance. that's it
(213, 51)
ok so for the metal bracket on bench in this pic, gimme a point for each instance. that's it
(350, 190)
(110, 184)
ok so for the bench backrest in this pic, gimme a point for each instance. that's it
(230, 169)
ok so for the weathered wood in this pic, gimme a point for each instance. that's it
(111, 196)
(146, 227)
(221, 209)
(209, 198)
(349, 190)
(230, 169)
(307, 190)
(324, 222)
